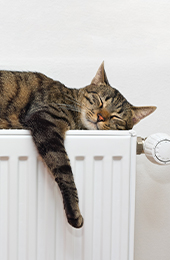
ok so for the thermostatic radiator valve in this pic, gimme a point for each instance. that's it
(156, 147)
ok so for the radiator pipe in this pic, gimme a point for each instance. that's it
(139, 147)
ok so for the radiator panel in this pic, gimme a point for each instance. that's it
(32, 220)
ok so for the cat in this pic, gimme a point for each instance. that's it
(31, 100)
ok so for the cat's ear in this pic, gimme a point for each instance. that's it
(100, 77)
(139, 113)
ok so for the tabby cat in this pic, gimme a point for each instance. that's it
(30, 100)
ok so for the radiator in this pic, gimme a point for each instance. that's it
(33, 225)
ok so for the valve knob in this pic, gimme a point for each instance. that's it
(157, 148)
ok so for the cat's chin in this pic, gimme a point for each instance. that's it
(90, 125)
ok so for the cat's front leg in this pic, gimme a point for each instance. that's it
(48, 135)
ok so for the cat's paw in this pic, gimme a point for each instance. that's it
(76, 221)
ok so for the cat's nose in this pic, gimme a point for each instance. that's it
(100, 118)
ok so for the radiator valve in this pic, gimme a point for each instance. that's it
(156, 148)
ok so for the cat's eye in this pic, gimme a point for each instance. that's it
(115, 117)
(119, 123)
(107, 98)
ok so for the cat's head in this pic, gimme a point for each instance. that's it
(105, 108)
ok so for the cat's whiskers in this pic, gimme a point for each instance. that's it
(73, 100)
(84, 109)
(70, 107)
(82, 106)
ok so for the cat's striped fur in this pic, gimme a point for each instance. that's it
(48, 109)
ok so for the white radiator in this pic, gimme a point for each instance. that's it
(33, 225)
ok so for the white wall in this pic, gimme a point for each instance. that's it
(68, 40)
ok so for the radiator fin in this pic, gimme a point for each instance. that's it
(23, 208)
(4, 207)
(13, 183)
(97, 206)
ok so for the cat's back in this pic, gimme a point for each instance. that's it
(16, 91)
(13, 81)
(16, 87)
